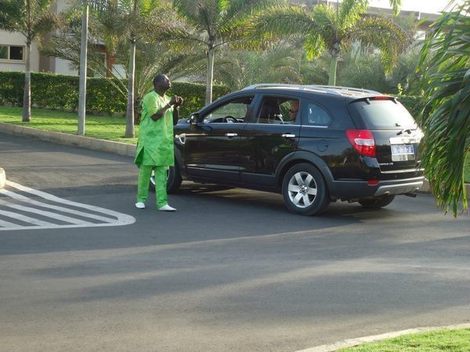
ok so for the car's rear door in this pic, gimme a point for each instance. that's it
(272, 134)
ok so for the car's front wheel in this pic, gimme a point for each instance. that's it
(376, 203)
(173, 181)
(304, 190)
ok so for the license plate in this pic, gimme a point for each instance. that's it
(403, 152)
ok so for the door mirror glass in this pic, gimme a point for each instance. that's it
(194, 118)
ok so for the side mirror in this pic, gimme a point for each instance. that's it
(194, 119)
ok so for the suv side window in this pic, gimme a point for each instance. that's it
(315, 115)
(278, 110)
(231, 112)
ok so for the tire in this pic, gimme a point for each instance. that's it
(173, 181)
(376, 203)
(304, 190)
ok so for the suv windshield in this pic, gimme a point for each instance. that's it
(383, 114)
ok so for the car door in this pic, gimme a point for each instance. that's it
(212, 148)
(269, 137)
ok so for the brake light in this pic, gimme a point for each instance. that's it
(362, 141)
(381, 97)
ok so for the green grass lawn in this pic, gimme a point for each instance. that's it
(434, 341)
(102, 127)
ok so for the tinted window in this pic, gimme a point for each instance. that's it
(232, 111)
(383, 114)
(278, 110)
(16, 53)
(315, 115)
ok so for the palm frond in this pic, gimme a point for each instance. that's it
(446, 118)
(383, 34)
(282, 21)
(350, 12)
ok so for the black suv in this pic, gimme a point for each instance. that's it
(314, 144)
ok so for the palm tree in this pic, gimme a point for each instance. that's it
(131, 17)
(286, 61)
(211, 24)
(334, 29)
(31, 18)
(445, 63)
(109, 24)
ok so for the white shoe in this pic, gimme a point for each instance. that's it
(167, 208)
(140, 205)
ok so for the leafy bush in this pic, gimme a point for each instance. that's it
(413, 104)
(104, 95)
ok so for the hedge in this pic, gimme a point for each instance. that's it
(61, 92)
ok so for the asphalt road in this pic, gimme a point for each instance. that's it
(232, 270)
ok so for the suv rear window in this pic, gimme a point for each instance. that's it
(383, 114)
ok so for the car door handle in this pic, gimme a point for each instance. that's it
(229, 134)
(288, 135)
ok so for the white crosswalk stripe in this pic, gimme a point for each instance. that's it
(46, 211)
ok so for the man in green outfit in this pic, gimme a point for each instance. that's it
(155, 145)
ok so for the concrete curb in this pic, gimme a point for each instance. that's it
(97, 144)
(361, 340)
(2, 178)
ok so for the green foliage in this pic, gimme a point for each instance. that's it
(194, 95)
(414, 104)
(210, 25)
(61, 93)
(445, 65)
(325, 28)
(11, 88)
(364, 71)
(287, 64)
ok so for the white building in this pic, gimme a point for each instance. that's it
(13, 52)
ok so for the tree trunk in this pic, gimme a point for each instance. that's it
(130, 94)
(332, 72)
(27, 85)
(210, 74)
(83, 71)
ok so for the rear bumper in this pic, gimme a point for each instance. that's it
(401, 188)
(356, 189)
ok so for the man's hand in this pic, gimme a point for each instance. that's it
(179, 101)
(176, 100)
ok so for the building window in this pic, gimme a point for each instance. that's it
(11, 52)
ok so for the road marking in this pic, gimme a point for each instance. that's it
(48, 214)
(25, 218)
(30, 215)
(49, 206)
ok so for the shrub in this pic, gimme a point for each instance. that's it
(413, 104)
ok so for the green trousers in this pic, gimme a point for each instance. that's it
(145, 171)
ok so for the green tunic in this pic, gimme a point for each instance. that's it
(155, 143)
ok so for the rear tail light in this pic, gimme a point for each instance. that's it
(362, 141)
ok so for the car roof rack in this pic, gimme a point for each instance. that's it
(338, 90)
